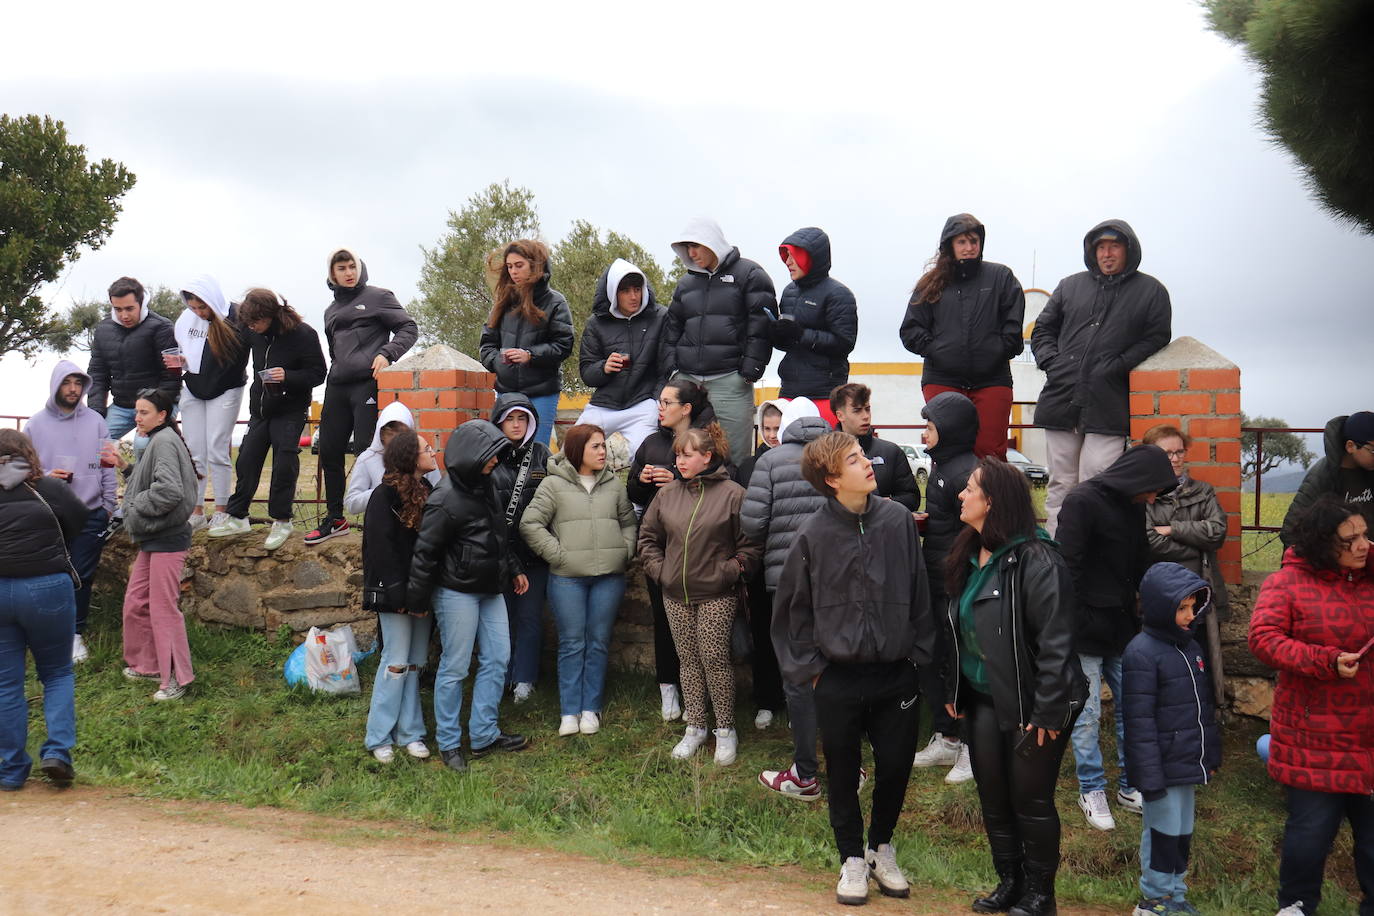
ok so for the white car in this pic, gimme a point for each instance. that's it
(918, 459)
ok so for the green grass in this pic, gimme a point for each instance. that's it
(243, 737)
(1261, 550)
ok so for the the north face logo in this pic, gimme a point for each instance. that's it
(727, 278)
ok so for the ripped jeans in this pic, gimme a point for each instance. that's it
(395, 716)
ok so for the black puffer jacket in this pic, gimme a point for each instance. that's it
(297, 352)
(778, 498)
(1172, 738)
(1324, 477)
(951, 461)
(124, 361)
(826, 324)
(967, 336)
(362, 323)
(657, 449)
(1092, 333)
(30, 543)
(608, 331)
(1024, 617)
(1101, 533)
(462, 540)
(891, 471)
(507, 470)
(388, 546)
(718, 322)
(549, 343)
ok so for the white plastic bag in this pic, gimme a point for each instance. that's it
(329, 665)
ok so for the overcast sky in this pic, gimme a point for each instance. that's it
(263, 137)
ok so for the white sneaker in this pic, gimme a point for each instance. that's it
(1293, 909)
(882, 864)
(567, 726)
(278, 536)
(219, 518)
(962, 771)
(692, 739)
(79, 651)
(197, 521)
(853, 887)
(1131, 800)
(384, 753)
(173, 691)
(727, 746)
(231, 527)
(672, 701)
(763, 719)
(940, 752)
(522, 691)
(417, 749)
(590, 723)
(1095, 809)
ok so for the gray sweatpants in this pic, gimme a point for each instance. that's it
(1075, 457)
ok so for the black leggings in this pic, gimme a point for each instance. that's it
(665, 650)
(767, 678)
(349, 410)
(1016, 792)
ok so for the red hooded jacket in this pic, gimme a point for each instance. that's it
(1322, 725)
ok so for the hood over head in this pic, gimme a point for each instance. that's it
(815, 243)
(1121, 229)
(206, 289)
(390, 414)
(64, 368)
(344, 293)
(781, 405)
(802, 421)
(13, 471)
(604, 299)
(705, 232)
(956, 424)
(510, 402)
(470, 447)
(958, 224)
(191, 330)
(1140, 469)
(1163, 588)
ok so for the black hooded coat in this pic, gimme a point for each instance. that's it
(509, 469)
(1094, 330)
(549, 343)
(1101, 535)
(362, 323)
(610, 332)
(826, 324)
(951, 462)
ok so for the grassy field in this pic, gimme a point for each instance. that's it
(1261, 550)
(243, 737)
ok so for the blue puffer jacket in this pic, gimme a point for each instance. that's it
(827, 324)
(1172, 737)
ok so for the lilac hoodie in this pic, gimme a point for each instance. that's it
(80, 434)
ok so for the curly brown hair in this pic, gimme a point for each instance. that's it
(505, 294)
(14, 444)
(400, 463)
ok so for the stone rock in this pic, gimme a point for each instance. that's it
(1252, 696)
(309, 574)
(438, 356)
(1185, 353)
(294, 600)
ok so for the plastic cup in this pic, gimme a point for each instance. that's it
(172, 358)
(67, 463)
(267, 381)
(106, 462)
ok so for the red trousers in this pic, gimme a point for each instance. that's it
(994, 413)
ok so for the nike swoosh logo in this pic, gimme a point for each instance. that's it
(906, 704)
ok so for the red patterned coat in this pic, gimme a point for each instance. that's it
(1322, 725)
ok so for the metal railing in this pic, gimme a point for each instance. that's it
(1259, 432)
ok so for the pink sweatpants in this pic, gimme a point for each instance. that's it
(154, 630)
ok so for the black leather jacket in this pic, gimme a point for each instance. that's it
(1025, 622)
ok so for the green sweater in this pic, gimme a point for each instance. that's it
(579, 533)
(971, 658)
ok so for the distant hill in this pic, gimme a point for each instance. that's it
(1279, 482)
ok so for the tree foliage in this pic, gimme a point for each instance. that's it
(1279, 448)
(1318, 79)
(454, 296)
(76, 329)
(53, 203)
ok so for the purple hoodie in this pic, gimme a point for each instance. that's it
(79, 433)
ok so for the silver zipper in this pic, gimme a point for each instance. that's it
(1202, 735)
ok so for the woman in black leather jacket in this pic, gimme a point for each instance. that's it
(1013, 672)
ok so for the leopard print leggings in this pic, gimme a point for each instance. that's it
(702, 633)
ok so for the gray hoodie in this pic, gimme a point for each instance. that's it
(79, 433)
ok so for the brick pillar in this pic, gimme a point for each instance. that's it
(443, 389)
(1193, 387)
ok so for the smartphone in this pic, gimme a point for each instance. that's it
(1025, 745)
(1367, 646)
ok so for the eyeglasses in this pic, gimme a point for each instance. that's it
(1180, 453)
(1368, 447)
(664, 402)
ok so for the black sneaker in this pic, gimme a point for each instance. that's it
(331, 528)
(454, 760)
(503, 742)
(58, 771)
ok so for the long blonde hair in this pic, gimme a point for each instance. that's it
(506, 295)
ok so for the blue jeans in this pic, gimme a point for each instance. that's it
(395, 716)
(527, 625)
(1087, 748)
(1313, 819)
(85, 550)
(585, 609)
(37, 614)
(464, 619)
(1165, 837)
(546, 405)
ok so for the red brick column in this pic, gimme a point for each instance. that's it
(440, 399)
(1203, 400)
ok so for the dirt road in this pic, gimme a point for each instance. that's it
(91, 850)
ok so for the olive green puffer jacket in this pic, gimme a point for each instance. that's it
(579, 533)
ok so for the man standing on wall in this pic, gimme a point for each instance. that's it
(367, 330)
(818, 322)
(1098, 325)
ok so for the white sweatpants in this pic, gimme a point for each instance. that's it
(1074, 457)
(634, 423)
(208, 427)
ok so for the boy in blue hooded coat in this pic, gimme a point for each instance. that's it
(1173, 743)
